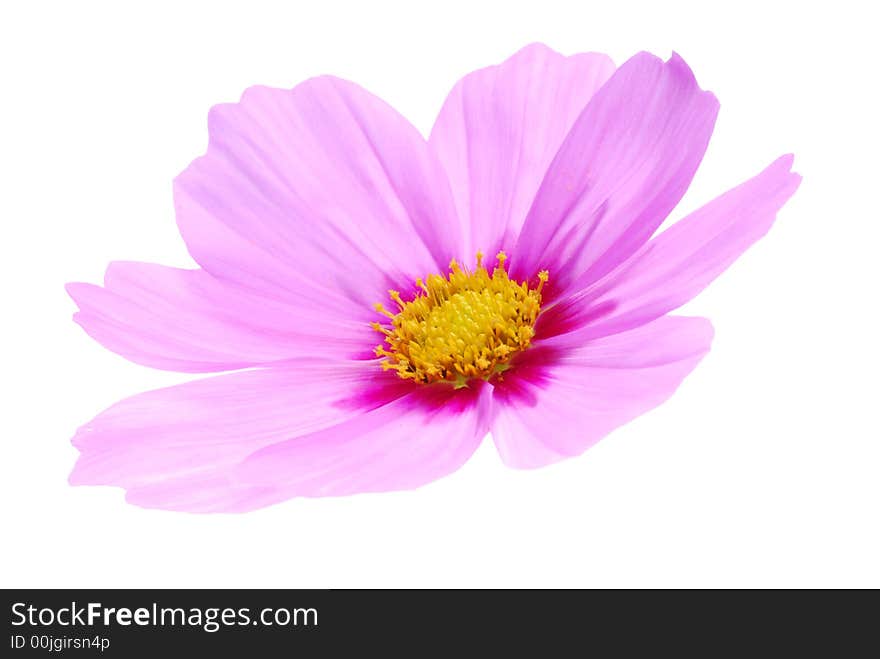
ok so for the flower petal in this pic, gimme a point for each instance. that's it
(414, 440)
(559, 403)
(196, 431)
(499, 130)
(677, 264)
(623, 167)
(187, 320)
(322, 186)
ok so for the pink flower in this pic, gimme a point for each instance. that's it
(312, 205)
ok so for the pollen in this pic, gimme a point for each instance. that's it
(465, 325)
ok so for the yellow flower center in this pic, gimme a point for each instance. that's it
(467, 324)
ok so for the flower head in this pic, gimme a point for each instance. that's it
(384, 301)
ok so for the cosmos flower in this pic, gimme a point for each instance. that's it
(380, 302)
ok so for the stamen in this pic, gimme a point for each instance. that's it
(461, 326)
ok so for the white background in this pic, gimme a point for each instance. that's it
(761, 471)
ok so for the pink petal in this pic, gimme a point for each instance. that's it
(186, 320)
(414, 440)
(559, 403)
(624, 166)
(677, 264)
(499, 130)
(323, 186)
(194, 432)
